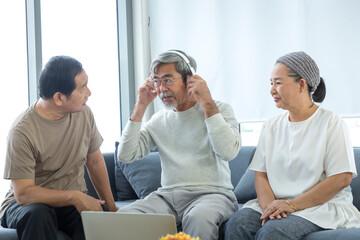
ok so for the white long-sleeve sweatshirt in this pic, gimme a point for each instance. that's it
(194, 151)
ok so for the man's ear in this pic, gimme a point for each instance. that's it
(58, 98)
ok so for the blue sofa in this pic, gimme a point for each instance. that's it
(133, 181)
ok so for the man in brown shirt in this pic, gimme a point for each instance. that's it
(48, 146)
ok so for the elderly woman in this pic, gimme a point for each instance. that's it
(303, 164)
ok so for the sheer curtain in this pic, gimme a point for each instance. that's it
(13, 75)
(142, 57)
(237, 42)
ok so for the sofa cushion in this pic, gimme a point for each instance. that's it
(124, 190)
(144, 175)
(11, 234)
(245, 189)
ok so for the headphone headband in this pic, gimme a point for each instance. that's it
(185, 59)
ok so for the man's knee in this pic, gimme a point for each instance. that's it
(202, 225)
(38, 213)
(200, 218)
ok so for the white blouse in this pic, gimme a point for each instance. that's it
(298, 155)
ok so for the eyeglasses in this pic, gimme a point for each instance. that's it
(166, 82)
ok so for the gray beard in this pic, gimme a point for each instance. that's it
(167, 105)
(170, 107)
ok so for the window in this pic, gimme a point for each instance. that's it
(354, 128)
(87, 31)
(13, 74)
(250, 132)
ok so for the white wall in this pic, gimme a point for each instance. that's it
(236, 43)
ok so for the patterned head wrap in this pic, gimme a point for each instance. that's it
(304, 66)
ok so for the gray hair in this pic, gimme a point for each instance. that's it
(303, 65)
(171, 57)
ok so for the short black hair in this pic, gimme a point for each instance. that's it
(58, 75)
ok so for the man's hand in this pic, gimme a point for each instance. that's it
(27, 193)
(83, 202)
(146, 94)
(198, 90)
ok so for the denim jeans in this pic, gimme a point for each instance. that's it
(246, 224)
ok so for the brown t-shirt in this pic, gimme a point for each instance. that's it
(53, 153)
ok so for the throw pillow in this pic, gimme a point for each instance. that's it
(124, 190)
(245, 189)
(144, 175)
(240, 163)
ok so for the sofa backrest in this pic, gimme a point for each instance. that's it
(110, 165)
(355, 184)
(241, 178)
(240, 163)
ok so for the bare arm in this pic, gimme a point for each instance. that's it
(27, 193)
(99, 176)
(264, 192)
(319, 194)
(265, 197)
(323, 191)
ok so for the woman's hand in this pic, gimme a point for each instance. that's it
(276, 209)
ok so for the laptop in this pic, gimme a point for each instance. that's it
(126, 226)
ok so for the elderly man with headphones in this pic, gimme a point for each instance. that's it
(195, 135)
